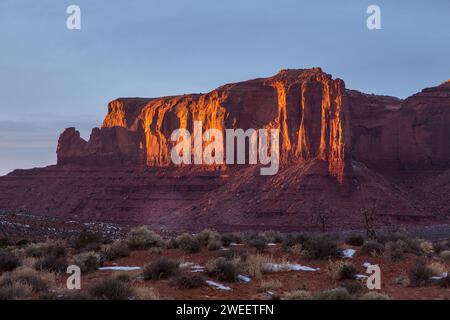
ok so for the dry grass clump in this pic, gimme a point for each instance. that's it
(207, 236)
(271, 284)
(87, 261)
(187, 281)
(373, 295)
(146, 293)
(341, 270)
(214, 245)
(111, 289)
(272, 236)
(334, 294)
(188, 243)
(88, 240)
(56, 249)
(142, 238)
(297, 295)
(117, 249)
(420, 274)
(160, 269)
(255, 265)
(38, 281)
(51, 264)
(355, 240)
(228, 238)
(15, 291)
(223, 269)
(321, 248)
(372, 248)
(445, 255)
(8, 261)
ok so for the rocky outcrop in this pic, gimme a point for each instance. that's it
(308, 107)
(414, 134)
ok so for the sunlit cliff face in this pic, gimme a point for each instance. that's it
(307, 106)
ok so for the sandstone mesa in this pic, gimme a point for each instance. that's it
(339, 146)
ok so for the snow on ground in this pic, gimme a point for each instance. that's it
(243, 278)
(348, 253)
(118, 268)
(274, 267)
(217, 285)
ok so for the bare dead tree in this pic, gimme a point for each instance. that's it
(369, 213)
(320, 214)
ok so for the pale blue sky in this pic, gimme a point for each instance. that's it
(52, 78)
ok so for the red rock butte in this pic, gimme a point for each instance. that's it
(342, 152)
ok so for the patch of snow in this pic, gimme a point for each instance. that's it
(274, 267)
(218, 286)
(271, 244)
(361, 276)
(348, 253)
(224, 249)
(118, 268)
(367, 264)
(234, 244)
(243, 278)
(444, 275)
(196, 269)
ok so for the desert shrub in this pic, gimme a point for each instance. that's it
(111, 289)
(437, 268)
(334, 294)
(188, 281)
(233, 254)
(117, 249)
(22, 243)
(272, 284)
(272, 236)
(88, 240)
(4, 242)
(355, 240)
(222, 269)
(8, 261)
(444, 282)
(51, 264)
(321, 248)
(51, 248)
(206, 236)
(297, 295)
(258, 243)
(419, 274)
(15, 291)
(372, 295)
(426, 247)
(87, 261)
(440, 246)
(372, 248)
(402, 280)
(214, 245)
(142, 238)
(394, 250)
(228, 238)
(255, 265)
(353, 287)
(160, 269)
(145, 293)
(341, 270)
(292, 239)
(189, 243)
(445, 255)
(37, 281)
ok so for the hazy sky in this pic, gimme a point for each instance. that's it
(52, 77)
